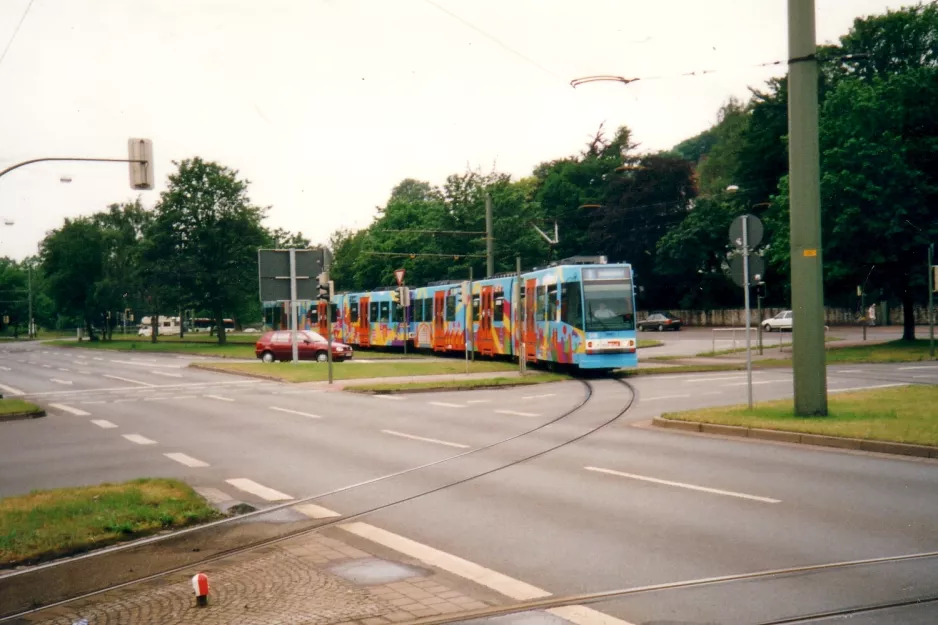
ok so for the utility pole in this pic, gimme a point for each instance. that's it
(519, 318)
(748, 314)
(489, 239)
(807, 292)
(29, 320)
(931, 301)
(293, 308)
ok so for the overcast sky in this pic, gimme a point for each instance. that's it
(324, 105)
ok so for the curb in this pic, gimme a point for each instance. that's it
(18, 416)
(349, 388)
(856, 444)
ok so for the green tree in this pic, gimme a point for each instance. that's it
(73, 265)
(204, 239)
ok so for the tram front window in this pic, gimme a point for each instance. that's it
(608, 306)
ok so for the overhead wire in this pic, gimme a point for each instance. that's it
(16, 31)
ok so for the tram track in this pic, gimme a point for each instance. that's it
(33, 589)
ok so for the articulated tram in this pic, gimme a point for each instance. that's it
(578, 312)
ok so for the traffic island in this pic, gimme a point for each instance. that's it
(16, 409)
(900, 421)
(318, 372)
(473, 384)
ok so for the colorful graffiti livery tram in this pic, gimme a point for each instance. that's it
(577, 312)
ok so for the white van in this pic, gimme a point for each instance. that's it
(168, 326)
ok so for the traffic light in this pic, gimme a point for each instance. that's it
(404, 296)
(140, 152)
(324, 292)
(760, 289)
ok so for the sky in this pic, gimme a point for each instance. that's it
(325, 105)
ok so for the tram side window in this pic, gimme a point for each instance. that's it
(552, 303)
(451, 308)
(571, 310)
(394, 313)
(499, 308)
(383, 310)
(540, 310)
(476, 308)
(373, 312)
(353, 310)
(312, 316)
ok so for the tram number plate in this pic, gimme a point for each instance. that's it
(613, 343)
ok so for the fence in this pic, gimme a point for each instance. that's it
(755, 328)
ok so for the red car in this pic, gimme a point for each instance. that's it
(310, 346)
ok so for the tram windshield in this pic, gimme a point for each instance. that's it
(608, 305)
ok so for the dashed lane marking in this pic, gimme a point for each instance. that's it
(9, 390)
(149, 387)
(117, 377)
(757, 383)
(848, 371)
(46, 366)
(219, 397)
(62, 369)
(296, 412)
(189, 461)
(394, 397)
(703, 489)
(518, 413)
(167, 374)
(862, 388)
(96, 358)
(83, 372)
(88, 403)
(315, 512)
(146, 363)
(66, 408)
(918, 367)
(444, 404)
(425, 440)
(641, 399)
(58, 381)
(140, 440)
(250, 486)
(5, 369)
(212, 495)
(104, 423)
(714, 379)
(124, 401)
(539, 396)
(479, 401)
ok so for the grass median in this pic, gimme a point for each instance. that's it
(54, 523)
(457, 385)
(316, 372)
(17, 406)
(900, 415)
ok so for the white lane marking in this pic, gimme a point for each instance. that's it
(46, 366)
(315, 512)
(146, 363)
(153, 398)
(219, 397)
(703, 489)
(582, 615)
(862, 388)
(84, 372)
(117, 377)
(96, 358)
(250, 486)
(62, 369)
(302, 392)
(182, 397)
(714, 379)
(9, 390)
(58, 381)
(104, 423)
(88, 403)
(539, 396)
(517, 413)
(150, 387)
(297, 412)
(80, 362)
(849, 371)
(5, 369)
(918, 367)
(479, 401)
(394, 397)
(212, 495)
(514, 588)
(189, 461)
(67, 408)
(140, 440)
(641, 399)
(756, 383)
(444, 404)
(167, 374)
(123, 401)
(426, 440)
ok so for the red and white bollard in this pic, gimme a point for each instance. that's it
(200, 585)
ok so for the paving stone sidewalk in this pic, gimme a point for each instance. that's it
(318, 579)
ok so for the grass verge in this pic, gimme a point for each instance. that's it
(288, 372)
(16, 406)
(54, 523)
(893, 351)
(165, 346)
(898, 415)
(456, 385)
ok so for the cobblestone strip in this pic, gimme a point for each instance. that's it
(289, 583)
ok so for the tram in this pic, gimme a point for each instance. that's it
(578, 312)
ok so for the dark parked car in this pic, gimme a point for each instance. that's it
(310, 346)
(660, 321)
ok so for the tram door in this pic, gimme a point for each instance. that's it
(322, 309)
(439, 323)
(530, 320)
(485, 339)
(364, 324)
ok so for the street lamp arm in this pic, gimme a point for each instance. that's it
(586, 79)
(63, 158)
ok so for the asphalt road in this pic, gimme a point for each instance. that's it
(628, 506)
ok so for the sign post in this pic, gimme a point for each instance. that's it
(288, 276)
(746, 233)
(932, 276)
(402, 297)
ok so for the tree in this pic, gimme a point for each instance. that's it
(73, 265)
(204, 239)
(284, 239)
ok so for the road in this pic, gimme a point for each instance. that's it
(628, 506)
